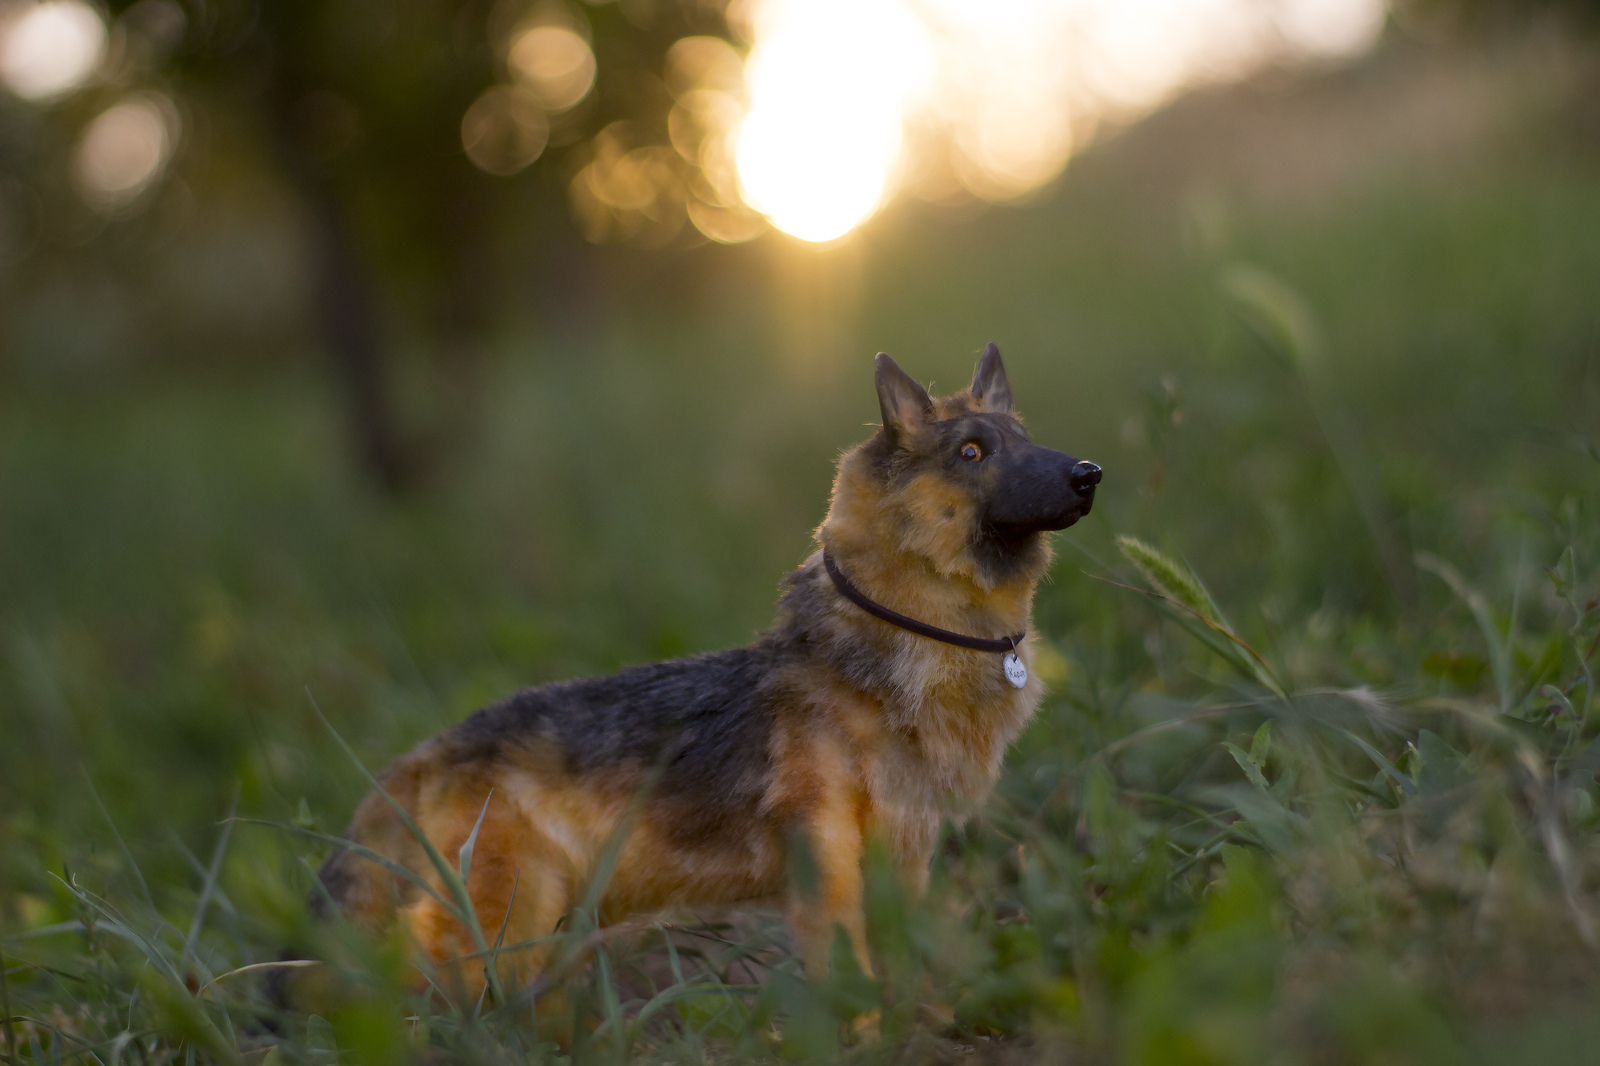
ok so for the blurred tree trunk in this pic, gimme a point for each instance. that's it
(461, 226)
(350, 332)
(344, 305)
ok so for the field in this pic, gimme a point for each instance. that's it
(1316, 782)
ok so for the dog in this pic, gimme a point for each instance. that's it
(882, 699)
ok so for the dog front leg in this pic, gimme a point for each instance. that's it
(825, 886)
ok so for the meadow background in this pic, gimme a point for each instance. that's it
(1334, 336)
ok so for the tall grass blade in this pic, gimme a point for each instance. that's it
(1287, 324)
(1192, 607)
(1498, 645)
(54, 929)
(610, 1006)
(1406, 786)
(122, 846)
(210, 885)
(464, 856)
(219, 895)
(118, 1046)
(111, 921)
(462, 907)
(258, 967)
(398, 869)
(1279, 315)
(1559, 851)
(184, 1017)
(1171, 578)
(5, 1009)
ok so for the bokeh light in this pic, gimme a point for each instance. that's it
(1003, 103)
(704, 64)
(1320, 28)
(504, 130)
(707, 80)
(50, 48)
(630, 191)
(555, 63)
(125, 149)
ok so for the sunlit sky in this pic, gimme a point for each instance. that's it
(820, 113)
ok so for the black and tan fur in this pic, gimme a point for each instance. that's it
(833, 725)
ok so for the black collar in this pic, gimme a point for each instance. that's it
(921, 629)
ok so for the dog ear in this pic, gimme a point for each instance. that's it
(989, 384)
(905, 404)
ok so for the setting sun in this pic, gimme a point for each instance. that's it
(830, 84)
(850, 103)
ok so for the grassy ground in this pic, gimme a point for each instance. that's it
(1333, 801)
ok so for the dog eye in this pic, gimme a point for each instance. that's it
(971, 452)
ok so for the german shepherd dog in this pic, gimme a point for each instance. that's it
(878, 702)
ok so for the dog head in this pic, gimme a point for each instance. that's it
(957, 480)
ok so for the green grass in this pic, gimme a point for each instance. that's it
(1315, 783)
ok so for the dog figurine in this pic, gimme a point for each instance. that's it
(882, 699)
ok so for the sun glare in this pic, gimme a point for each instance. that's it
(851, 101)
(50, 48)
(830, 83)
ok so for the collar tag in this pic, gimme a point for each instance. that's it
(1016, 672)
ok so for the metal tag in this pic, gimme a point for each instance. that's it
(1016, 672)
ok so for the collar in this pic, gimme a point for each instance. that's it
(921, 629)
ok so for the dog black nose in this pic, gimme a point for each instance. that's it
(1085, 476)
